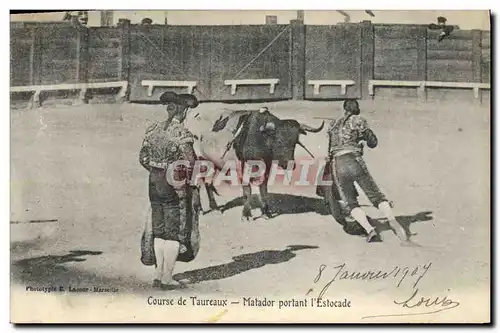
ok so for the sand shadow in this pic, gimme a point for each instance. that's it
(57, 270)
(405, 220)
(50, 261)
(77, 277)
(26, 245)
(50, 266)
(283, 204)
(243, 263)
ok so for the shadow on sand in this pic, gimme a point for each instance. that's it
(405, 220)
(26, 245)
(47, 268)
(47, 262)
(284, 204)
(243, 263)
(57, 270)
(50, 270)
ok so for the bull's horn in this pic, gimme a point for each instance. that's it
(307, 128)
(302, 145)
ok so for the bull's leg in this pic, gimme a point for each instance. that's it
(247, 208)
(264, 197)
(211, 198)
(266, 212)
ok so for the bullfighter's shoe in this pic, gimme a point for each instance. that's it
(156, 284)
(373, 236)
(354, 228)
(173, 285)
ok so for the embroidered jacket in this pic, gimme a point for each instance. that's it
(163, 146)
(347, 134)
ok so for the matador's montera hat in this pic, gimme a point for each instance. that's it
(187, 100)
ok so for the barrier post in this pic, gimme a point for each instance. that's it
(125, 53)
(298, 59)
(367, 45)
(422, 59)
(35, 56)
(35, 64)
(82, 60)
(476, 59)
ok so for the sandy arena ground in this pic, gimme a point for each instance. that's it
(79, 165)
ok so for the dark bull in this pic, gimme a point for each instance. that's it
(263, 137)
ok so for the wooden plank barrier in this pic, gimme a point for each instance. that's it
(342, 83)
(151, 84)
(37, 89)
(475, 86)
(421, 85)
(234, 83)
(391, 83)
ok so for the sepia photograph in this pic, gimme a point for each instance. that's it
(250, 166)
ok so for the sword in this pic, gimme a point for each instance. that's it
(324, 118)
(228, 148)
(230, 143)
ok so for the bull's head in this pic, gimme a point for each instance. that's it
(265, 136)
(281, 136)
(287, 136)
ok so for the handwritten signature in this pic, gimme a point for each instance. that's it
(437, 304)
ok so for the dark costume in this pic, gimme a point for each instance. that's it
(175, 208)
(346, 165)
(345, 150)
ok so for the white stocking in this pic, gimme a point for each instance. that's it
(159, 246)
(360, 216)
(170, 251)
(398, 228)
(386, 210)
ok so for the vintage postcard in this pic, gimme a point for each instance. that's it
(286, 166)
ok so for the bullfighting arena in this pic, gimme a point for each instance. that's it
(79, 166)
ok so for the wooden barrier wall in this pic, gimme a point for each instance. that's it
(485, 56)
(250, 52)
(452, 58)
(59, 55)
(104, 55)
(52, 53)
(46, 54)
(399, 52)
(333, 53)
(210, 55)
(485, 60)
(21, 57)
(179, 53)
